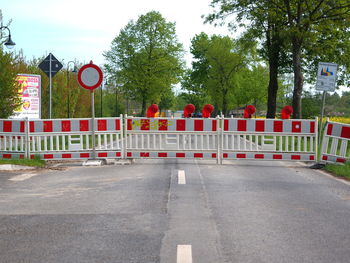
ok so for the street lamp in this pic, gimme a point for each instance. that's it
(9, 43)
(68, 100)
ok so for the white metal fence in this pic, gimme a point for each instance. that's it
(129, 137)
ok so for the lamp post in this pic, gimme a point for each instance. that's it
(8, 43)
(68, 98)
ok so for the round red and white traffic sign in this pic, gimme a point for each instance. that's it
(90, 76)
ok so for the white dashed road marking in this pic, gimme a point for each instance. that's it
(181, 177)
(184, 254)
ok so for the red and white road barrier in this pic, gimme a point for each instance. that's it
(335, 143)
(129, 137)
(61, 138)
(171, 138)
(269, 139)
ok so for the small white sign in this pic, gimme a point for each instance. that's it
(326, 76)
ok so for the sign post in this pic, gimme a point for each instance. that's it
(50, 65)
(90, 77)
(326, 81)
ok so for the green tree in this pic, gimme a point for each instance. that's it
(146, 58)
(303, 24)
(9, 100)
(217, 61)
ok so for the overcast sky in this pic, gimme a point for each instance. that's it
(83, 30)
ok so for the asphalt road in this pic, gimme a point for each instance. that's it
(242, 211)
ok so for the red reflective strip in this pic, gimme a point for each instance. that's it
(180, 155)
(277, 156)
(65, 127)
(198, 125)
(130, 125)
(296, 157)
(345, 132)
(118, 154)
(312, 127)
(31, 126)
(129, 154)
(225, 125)
(162, 155)
(278, 126)
(162, 125)
(32, 156)
(329, 129)
(181, 125)
(296, 126)
(145, 124)
(84, 155)
(259, 156)
(241, 125)
(312, 157)
(67, 155)
(324, 157)
(6, 156)
(21, 156)
(225, 155)
(214, 125)
(102, 154)
(22, 128)
(340, 160)
(84, 125)
(48, 156)
(117, 125)
(7, 126)
(102, 125)
(198, 155)
(48, 126)
(213, 155)
(259, 125)
(241, 155)
(144, 154)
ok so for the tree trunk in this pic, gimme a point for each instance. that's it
(143, 107)
(298, 78)
(273, 47)
(224, 103)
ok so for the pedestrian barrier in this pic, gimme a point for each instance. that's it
(335, 143)
(61, 138)
(171, 138)
(269, 139)
(130, 137)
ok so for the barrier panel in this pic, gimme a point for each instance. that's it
(335, 143)
(61, 138)
(171, 138)
(130, 137)
(13, 139)
(269, 139)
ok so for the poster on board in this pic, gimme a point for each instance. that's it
(326, 76)
(30, 94)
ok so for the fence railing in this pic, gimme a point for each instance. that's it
(335, 142)
(210, 138)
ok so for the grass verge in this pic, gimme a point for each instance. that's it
(37, 162)
(339, 170)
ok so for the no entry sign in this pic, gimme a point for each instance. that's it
(90, 76)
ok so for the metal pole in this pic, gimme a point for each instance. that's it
(50, 88)
(101, 97)
(27, 141)
(68, 102)
(321, 122)
(93, 124)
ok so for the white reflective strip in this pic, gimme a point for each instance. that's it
(181, 178)
(184, 254)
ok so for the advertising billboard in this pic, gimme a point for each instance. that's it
(30, 93)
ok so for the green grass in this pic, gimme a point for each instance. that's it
(339, 170)
(37, 162)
